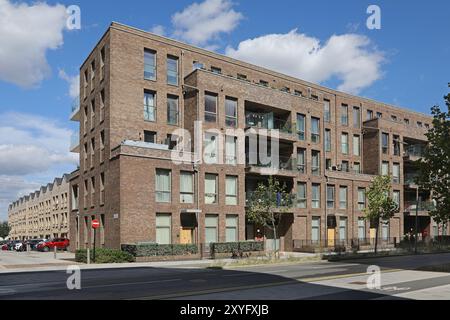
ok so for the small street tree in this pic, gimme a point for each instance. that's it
(267, 204)
(4, 229)
(381, 206)
(434, 167)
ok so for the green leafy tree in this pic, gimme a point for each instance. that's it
(381, 206)
(4, 229)
(434, 167)
(267, 204)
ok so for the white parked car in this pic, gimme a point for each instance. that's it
(19, 246)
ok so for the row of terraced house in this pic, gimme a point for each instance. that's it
(142, 96)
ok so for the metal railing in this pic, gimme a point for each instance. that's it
(267, 121)
(415, 151)
(75, 107)
(289, 202)
(411, 206)
(284, 163)
(336, 245)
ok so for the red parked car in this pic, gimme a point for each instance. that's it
(59, 243)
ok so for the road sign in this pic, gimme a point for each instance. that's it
(95, 224)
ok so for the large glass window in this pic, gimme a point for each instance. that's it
(315, 163)
(330, 197)
(211, 229)
(186, 187)
(172, 70)
(315, 229)
(172, 110)
(385, 231)
(211, 148)
(163, 229)
(210, 107)
(149, 64)
(231, 112)
(301, 161)
(316, 196)
(301, 126)
(343, 196)
(231, 191)
(385, 168)
(344, 115)
(356, 118)
(163, 186)
(397, 147)
(396, 198)
(315, 130)
(361, 199)
(327, 110)
(343, 229)
(344, 143)
(385, 143)
(396, 173)
(231, 232)
(211, 189)
(231, 150)
(361, 228)
(328, 140)
(356, 145)
(149, 106)
(301, 195)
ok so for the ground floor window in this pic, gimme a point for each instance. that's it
(315, 229)
(163, 228)
(361, 228)
(231, 234)
(343, 229)
(385, 230)
(211, 228)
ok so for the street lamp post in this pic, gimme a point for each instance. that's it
(418, 202)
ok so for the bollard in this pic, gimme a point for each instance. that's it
(54, 252)
(88, 257)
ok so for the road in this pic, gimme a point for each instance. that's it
(321, 280)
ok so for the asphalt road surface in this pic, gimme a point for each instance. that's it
(278, 282)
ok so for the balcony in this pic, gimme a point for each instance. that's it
(75, 110)
(289, 203)
(75, 142)
(423, 208)
(414, 152)
(410, 180)
(268, 121)
(286, 166)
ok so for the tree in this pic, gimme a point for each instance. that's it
(4, 229)
(434, 167)
(267, 204)
(381, 207)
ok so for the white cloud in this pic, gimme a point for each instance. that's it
(11, 189)
(203, 22)
(27, 32)
(350, 58)
(73, 81)
(159, 30)
(32, 144)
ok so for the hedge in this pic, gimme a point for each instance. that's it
(231, 247)
(156, 250)
(104, 256)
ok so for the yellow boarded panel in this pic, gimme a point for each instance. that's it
(186, 236)
(331, 237)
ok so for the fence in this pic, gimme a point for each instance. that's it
(333, 245)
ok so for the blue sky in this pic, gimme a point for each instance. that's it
(406, 63)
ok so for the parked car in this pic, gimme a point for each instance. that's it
(33, 243)
(20, 246)
(9, 246)
(59, 243)
(4, 247)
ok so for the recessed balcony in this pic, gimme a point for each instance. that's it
(75, 142)
(75, 110)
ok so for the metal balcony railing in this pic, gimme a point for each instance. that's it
(284, 163)
(290, 202)
(415, 151)
(75, 142)
(267, 121)
(411, 206)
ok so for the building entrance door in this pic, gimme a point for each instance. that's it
(331, 237)
(186, 236)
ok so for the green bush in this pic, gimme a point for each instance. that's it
(155, 250)
(104, 256)
(231, 247)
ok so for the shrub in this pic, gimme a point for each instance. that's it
(155, 250)
(231, 247)
(104, 256)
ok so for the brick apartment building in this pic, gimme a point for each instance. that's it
(138, 88)
(43, 214)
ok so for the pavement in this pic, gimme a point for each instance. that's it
(185, 281)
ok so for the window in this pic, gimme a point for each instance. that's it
(385, 230)
(342, 229)
(345, 166)
(315, 130)
(361, 199)
(196, 65)
(149, 106)
(231, 112)
(211, 189)
(85, 84)
(301, 195)
(85, 149)
(328, 164)
(163, 229)
(210, 107)
(356, 118)
(92, 114)
(315, 163)
(396, 173)
(102, 105)
(285, 89)
(216, 70)
(149, 136)
(92, 152)
(344, 115)
(315, 229)
(327, 110)
(369, 115)
(242, 76)
(172, 70)
(357, 167)
(356, 145)
(231, 232)
(210, 143)
(330, 197)
(92, 192)
(301, 126)
(344, 143)
(316, 196)
(343, 195)
(163, 186)
(298, 93)
(172, 110)
(211, 227)
(231, 150)
(361, 228)
(385, 168)
(406, 121)
(385, 143)
(397, 146)
(186, 187)
(231, 191)
(327, 140)
(379, 115)
(102, 188)
(396, 198)
(301, 161)
(149, 64)
(419, 124)
(263, 83)
(394, 118)
(92, 75)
